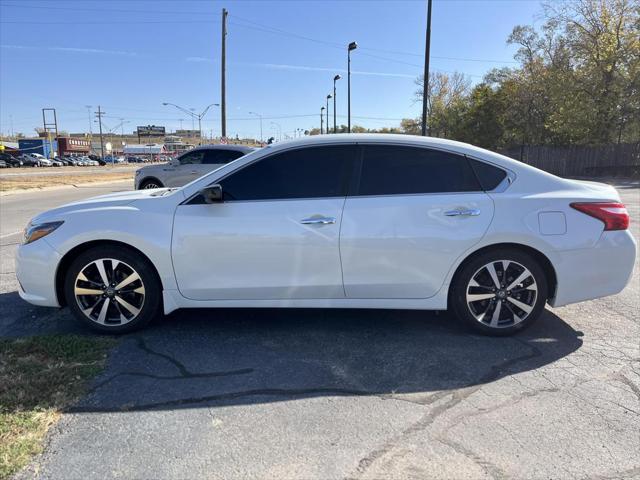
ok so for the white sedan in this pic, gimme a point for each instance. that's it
(337, 221)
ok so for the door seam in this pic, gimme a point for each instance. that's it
(344, 290)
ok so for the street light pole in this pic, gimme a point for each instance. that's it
(194, 115)
(258, 115)
(328, 98)
(89, 107)
(425, 82)
(336, 78)
(279, 130)
(351, 46)
(321, 119)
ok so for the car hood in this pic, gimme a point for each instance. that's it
(101, 202)
(155, 166)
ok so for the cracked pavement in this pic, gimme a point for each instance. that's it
(347, 394)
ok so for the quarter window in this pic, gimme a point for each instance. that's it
(398, 170)
(488, 175)
(304, 173)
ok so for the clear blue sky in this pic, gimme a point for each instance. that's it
(130, 56)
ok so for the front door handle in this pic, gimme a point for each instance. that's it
(318, 221)
(471, 212)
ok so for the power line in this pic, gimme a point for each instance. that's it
(104, 22)
(274, 30)
(107, 10)
(336, 45)
(254, 26)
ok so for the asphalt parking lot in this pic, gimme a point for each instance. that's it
(328, 394)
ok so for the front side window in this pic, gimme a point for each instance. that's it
(219, 157)
(312, 172)
(401, 170)
(192, 158)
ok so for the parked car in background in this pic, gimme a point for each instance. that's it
(4, 164)
(28, 161)
(337, 221)
(97, 159)
(188, 166)
(10, 160)
(113, 159)
(41, 159)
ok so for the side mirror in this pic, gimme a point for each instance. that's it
(212, 194)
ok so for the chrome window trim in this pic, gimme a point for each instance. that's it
(500, 188)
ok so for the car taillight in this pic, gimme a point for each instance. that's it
(614, 215)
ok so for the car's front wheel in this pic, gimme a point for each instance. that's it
(499, 292)
(112, 289)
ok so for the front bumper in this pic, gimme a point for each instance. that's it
(36, 265)
(596, 272)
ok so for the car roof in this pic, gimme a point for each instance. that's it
(237, 148)
(400, 139)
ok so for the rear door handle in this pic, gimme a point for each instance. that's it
(471, 212)
(318, 221)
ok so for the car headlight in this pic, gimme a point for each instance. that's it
(34, 232)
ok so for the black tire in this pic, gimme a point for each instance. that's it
(150, 183)
(476, 268)
(148, 307)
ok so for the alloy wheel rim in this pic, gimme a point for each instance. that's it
(109, 292)
(150, 185)
(501, 294)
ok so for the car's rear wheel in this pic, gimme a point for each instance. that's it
(112, 289)
(499, 292)
(150, 184)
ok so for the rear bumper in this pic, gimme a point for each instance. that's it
(36, 265)
(595, 272)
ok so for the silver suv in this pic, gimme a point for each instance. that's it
(188, 166)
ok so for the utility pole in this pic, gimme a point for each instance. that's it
(223, 101)
(321, 120)
(99, 114)
(425, 82)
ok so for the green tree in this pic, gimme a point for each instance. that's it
(445, 101)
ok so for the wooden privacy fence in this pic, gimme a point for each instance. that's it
(621, 160)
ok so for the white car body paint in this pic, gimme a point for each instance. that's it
(395, 251)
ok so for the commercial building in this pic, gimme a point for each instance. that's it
(175, 145)
(79, 146)
(43, 146)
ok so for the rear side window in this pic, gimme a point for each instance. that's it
(219, 156)
(398, 170)
(488, 175)
(304, 173)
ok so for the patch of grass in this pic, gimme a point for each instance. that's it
(8, 184)
(39, 377)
